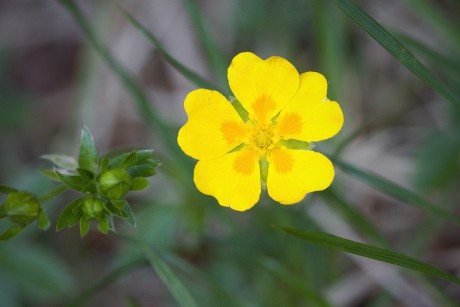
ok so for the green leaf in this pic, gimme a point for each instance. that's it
(43, 221)
(76, 182)
(129, 160)
(61, 161)
(104, 164)
(84, 226)
(88, 157)
(142, 155)
(85, 174)
(369, 251)
(144, 169)
(395, 48)
(171, 281)
(4, 189)
(111, 208)
(104, 224)
(186, 72)
(11, 232)
(70, 215)
(130, 215)
(395, 190)
(2, 212)
(139, 184)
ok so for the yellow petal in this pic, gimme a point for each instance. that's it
(263, 87)
(213, 127)
(234, 179)
(309, 115)
(294, 173)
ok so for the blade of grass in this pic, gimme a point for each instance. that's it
(83, 298)
(369, 251)
(137, 93)
(432, 15)
(218, 61)
(171, 281)
(186, 72)
(395, 190)
(395, 48)
(355, 217)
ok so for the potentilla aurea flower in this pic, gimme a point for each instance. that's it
(268, 147)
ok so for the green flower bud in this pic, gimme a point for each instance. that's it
(115, 183)
(92, 206)
(21, 207)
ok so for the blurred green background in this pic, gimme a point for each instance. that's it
(52, 80)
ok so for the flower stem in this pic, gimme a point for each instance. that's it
(53, 193)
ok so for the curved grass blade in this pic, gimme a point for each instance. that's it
(369, 251)
(395, 48)
(213, 52)
(357, 219)
(138, 94)
(171, 281)
(186, 72)
(395, 190)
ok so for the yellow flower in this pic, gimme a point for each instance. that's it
(238, 156)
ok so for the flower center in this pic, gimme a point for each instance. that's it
(262, 136)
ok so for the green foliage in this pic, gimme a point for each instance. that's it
(368, 251)
(105, 182)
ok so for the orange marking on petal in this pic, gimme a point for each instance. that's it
(282, 161)
(245, 163)
(232, 131)
(290, 124)
(263, 106)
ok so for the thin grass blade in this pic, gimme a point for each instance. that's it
(395, 190)
(395, 48)
(171, 281)
(186, 72)
(369, 251)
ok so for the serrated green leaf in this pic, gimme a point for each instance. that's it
(51, 174)
(70, 215)
(75, 182)
(4, 189)
(84, 226)
(61, 161)
(395, 190)
(139, 184)
(11, 232)
(369, 251)
(130, 215)
(142, 155)
(104, 224)
(171, 281)
(42, 221)
(88, 157)
(186, 72)
(395, 48)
